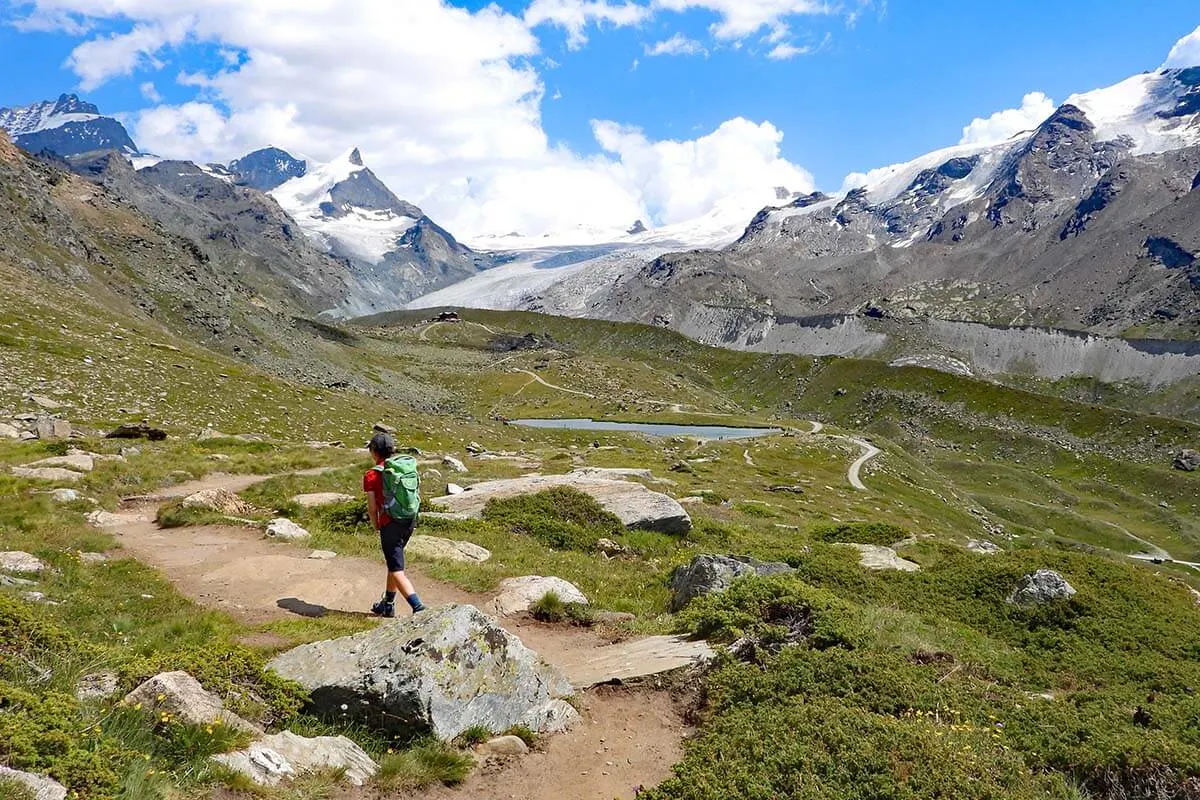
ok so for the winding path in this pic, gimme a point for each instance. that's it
(628, 738)
(538, 379)
(854, 473)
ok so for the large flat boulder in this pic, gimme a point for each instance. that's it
(437, 549)
(222, 501)
(318, 499)
(21, 562)
(879, 558)
(51, 474)
(710, 574)
(440, 672)
(632, 503)
(80, 462)
(271, 759)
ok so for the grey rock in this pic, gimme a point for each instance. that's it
(608, 547)
(322, 555)
(222, 501)
(879, 558)
(454, 488)
(454, 464)
(97, 686)
(65, 496)
(38, 597)
(138, 430)
(9, 432)
(21, 562)
(505, 746)
(517, 595)
(710, 574)
(634, 504)
(1187, 461)
(439, 672)
(1043, 586)
(182, 696)
(103, 519)
(43, 787)
(50, 474)
(285, 530)
(45, 402)
(49, 428)
(983, 547)
(318, 499)
(9, 581)
(438, 549)
(79, 462)
(284, 755)
(93, 558)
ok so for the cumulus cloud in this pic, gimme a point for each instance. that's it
(1186, 52)
(575, 15)
(1035, 108)
(682, 180)
(677, 45)
(444, 102)
(150, 92)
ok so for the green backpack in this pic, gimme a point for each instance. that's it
(401, 487)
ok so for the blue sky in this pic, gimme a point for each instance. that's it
(883, 82)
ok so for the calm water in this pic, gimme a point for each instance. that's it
(711, 432)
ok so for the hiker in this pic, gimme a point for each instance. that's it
(392, 503)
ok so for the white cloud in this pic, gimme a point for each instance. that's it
(739, 162)
(98, 60)
(445, 104)
(1186, 52)
(677, 45)
(741, 18)
(150, 92)
(785, 51)
(575, 15)
(1035, 109)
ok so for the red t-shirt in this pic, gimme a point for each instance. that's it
(373, 484)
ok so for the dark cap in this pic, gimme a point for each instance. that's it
(382, 444)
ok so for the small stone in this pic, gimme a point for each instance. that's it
(517, 595)
(1043, 586)
(1187, 461)
(454, 464)
(505, 746)
(38, 597)
(97, 686)
(286, 530)
(983, 547)
(93, 558)
(475, 449)
(454, 488)
(322, 555)
(181, 696)
(65, 496)
(103, 519)
(45, 402)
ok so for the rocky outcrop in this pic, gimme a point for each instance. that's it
(272, 759)
(983, 547)
(1187, 461)
(139, 430)
(49, 474)
(42, 787)
(518, 595)
(183, 698)
(439, 672)
(710, 574)
(632, 503)
(437, 549)
(79, 462)
(1043, 586)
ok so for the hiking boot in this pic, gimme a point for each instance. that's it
(384, 609)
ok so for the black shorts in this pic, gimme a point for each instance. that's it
(393, 538)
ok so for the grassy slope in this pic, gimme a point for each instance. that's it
(959, 456)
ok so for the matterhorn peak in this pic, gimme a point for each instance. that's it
(356, 158)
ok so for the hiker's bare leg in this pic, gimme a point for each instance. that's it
(399, 582)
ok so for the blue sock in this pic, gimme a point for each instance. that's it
(415, 602)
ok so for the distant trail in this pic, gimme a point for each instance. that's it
(424, 336)
(870, 451)
(538, 379)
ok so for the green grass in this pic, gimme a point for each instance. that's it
(423, 765)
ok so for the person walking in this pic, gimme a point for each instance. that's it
(392, 488)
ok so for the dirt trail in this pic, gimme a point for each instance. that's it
(539, 379)
(628, 737)
(854, 473)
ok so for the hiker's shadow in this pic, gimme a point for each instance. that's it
(313, 611)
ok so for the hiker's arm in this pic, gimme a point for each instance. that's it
(372, 510)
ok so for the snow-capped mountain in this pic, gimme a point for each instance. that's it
(67, 127)
(267, 169)
(1090, 221)
(397, 251)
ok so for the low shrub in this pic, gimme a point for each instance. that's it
(561, 518)
(15, 790)
(551, 608)
(878, 533)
